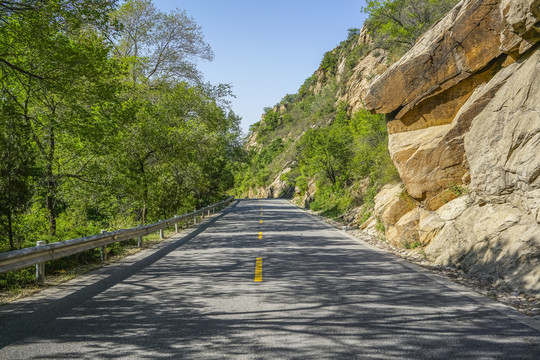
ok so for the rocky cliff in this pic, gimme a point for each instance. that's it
(346, 80)
(463, 112)
(464, 121)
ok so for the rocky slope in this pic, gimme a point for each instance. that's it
(464, 111)
(357, 63)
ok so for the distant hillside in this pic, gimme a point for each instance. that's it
(294, 148)
(422, 130)
(327, 104)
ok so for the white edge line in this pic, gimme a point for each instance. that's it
(463, 290)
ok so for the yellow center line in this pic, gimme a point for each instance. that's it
(260, 235)
(261, 221)
(258, 270)
(261, 213)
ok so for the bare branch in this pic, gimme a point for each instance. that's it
(19, 69)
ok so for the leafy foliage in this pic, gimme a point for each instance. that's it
(397, 24)
(329, 62)
(344, 153)
(17, 168)
(326, 151)
(157, 44)
(104, 122)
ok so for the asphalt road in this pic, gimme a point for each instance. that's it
(321, 295)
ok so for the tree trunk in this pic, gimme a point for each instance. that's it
(50, 209)
(51, 186)
(10, 231)
(9, 214)
(145, 193)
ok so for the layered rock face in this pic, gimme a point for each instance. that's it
(464, 111)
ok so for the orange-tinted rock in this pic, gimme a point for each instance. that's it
(391, 203)
(464, 104)
(462, 43)
(431, 87)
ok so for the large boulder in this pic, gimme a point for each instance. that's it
(405, 232)
(494, 241)
(427, 161)
(522, 30)
(435, 91)
(459, 46)
(503, 144)
(391, 203)
(464, 111)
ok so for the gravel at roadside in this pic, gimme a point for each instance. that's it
(527, 304)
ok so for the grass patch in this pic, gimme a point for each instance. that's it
(411, 245)
(458, 190)
(380, 227)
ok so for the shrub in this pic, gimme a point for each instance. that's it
(329, 62)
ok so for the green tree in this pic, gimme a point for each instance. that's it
(397, 24)
(159, 45)
(26, 28)
(352, 33)
(329, 62)
(56, 72)
(17, 167)
(98, 128)
(271, 119)
(176, 149)
(372, 158)
(326, 151)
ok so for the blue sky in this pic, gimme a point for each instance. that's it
(266, 48)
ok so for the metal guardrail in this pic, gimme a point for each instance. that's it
(38, 255)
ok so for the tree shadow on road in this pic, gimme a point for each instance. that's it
(323, 296)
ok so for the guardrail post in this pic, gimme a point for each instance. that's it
(139, 239)
(40, 268)
(102, 249)
(161, 233)
(195, 219)
(175, 225)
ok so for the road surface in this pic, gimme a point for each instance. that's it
(286, 287)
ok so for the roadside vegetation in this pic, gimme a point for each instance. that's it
(338, 159)
(397, 24)
(105, 122)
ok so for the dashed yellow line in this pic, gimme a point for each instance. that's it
(258, 263)
(258, 270)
